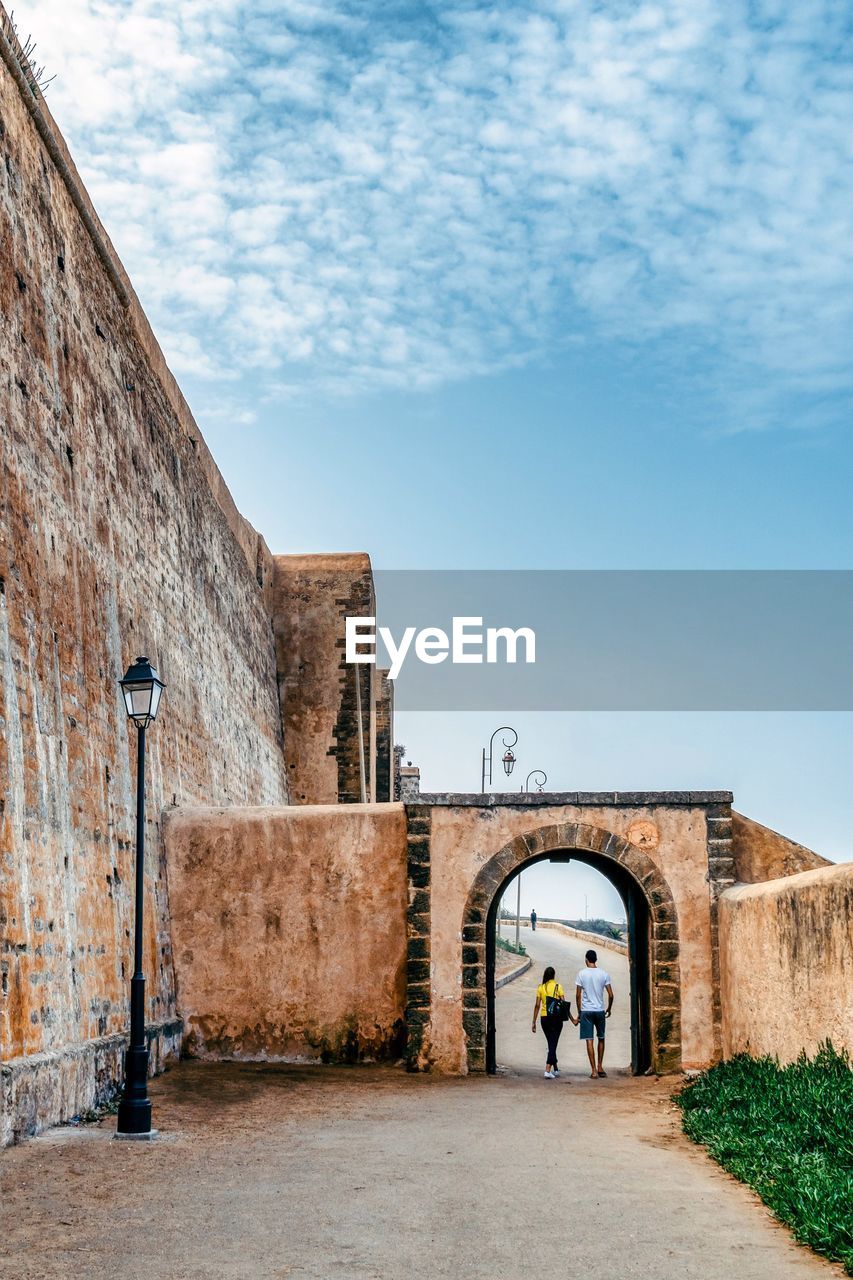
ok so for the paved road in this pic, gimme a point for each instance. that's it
(309, 1173)
(523, 1053)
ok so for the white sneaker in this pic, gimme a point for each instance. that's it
(549, 1075)
(555, 1073)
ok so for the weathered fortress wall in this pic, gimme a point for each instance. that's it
(761, 854)
(787, 964)
(346, 926)
(117, 537)
(338, 718)
(346, 919)
(786, 947)
(302, 955)
(326, 705)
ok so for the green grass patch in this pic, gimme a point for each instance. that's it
(788, 1133)
(506, 945)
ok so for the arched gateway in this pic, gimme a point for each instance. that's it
(652, 916)
(669, 854)
(388, 909)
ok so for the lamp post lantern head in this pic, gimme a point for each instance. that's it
(141, 689)
(508, 761)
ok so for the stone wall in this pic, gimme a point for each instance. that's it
(761, 854)
(371, 906)
(786, 952)
(328, 708)
(384, 736)
(289, 931)
(596, 941)
(310, 932)
(117, 537)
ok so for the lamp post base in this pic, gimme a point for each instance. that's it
(134, 1110)
(134, 1119)
(136, 1137)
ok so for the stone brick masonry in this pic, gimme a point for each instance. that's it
(111, 538)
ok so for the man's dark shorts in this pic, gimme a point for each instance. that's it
(590, 1021)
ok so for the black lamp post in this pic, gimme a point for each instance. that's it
(507, 759)
(141, 688)
(541, 778)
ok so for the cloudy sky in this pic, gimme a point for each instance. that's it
(541, 283)
(355, 196)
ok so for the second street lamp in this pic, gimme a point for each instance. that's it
(507, 759)
(142, 689)
(508, 762)
(540, 777)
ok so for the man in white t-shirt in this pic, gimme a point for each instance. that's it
(591, 984)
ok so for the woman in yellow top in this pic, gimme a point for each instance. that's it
(548, 988)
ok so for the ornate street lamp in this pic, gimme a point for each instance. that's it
(540, 777)
(142, 689)
(507, 759)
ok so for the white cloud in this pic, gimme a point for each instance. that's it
(345, 204)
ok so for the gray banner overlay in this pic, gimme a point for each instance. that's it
(703, 640)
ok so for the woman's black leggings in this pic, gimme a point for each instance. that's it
(552, 1028)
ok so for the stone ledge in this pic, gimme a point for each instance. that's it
(513, 974)
(552, 799)
(596, 940)
(43, 1089)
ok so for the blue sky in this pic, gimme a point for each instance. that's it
(529, 284)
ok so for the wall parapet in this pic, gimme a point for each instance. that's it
(761, 854)
(786, 952)
(548, 799)
(596, 940)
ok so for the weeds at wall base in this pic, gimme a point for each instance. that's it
(94, 1115)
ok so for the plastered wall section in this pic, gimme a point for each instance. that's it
(460, 846)
(786, 959)
(116, 539)
(289, 931)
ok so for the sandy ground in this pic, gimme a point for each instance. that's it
(265, 1171)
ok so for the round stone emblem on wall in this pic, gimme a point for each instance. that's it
(643, 834)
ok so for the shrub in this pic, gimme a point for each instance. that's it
(506, 945)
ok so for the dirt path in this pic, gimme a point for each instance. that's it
(367, 1172)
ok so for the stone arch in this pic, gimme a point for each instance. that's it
(599, 848)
